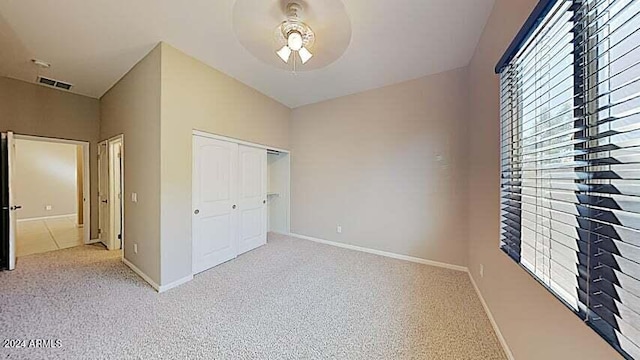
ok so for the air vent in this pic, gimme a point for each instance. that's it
(44, 80)
(61, 85)
(54, 83)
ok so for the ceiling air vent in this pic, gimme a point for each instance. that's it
(61, 85)
(55, 83)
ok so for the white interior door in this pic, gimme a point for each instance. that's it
(252, 197)
(103, 194)
(115, 194)
(13, 207)
(215, 214)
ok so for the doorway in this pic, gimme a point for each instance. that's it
(110, 190)
(45, 195)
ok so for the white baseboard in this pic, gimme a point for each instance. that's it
(383, 253)
(92, 241)
(158, 288)
(176, 283)
(280, 233)
(46, 217)
(141, 274)
(496, 329)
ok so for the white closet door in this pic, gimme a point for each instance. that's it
(252, 197)
(215, 220)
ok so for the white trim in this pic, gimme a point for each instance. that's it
(144, 276)
(279, 233)
(92, 241)
(493, 322)
(237, 141)
(154, 285)
(383, 253)
(176, 283)
(47, 217)
(50, 139)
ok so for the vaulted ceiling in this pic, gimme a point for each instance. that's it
(92, 44)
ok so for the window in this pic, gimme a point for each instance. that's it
(570, 160)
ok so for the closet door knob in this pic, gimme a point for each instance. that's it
(233, 207)
(196, 212)
(264, 201)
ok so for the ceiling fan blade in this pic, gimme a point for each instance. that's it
(284, 53)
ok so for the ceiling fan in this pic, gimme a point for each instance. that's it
(295, 36)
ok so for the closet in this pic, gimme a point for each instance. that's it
(240, 191)
(229, 200)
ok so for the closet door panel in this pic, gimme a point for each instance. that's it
(215, 214)
(252, 195)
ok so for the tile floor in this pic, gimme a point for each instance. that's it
(38, 236)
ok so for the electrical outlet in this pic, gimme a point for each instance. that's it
(481, 270)
(135, 248)
(48, 208)
(339, 229)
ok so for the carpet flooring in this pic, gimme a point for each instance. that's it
(290, 299)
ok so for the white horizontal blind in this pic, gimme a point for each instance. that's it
(570, 151)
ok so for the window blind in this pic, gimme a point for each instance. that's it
(570, 161)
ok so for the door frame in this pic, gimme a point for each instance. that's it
(261, 146)
(112, 241)
(86, 177)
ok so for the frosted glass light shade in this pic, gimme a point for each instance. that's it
(294, 41)
(305, 55)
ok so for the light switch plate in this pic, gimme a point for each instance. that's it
(134, 197)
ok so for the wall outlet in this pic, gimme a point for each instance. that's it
(135, 248)
(339, 229)
(134, 197)
(48, 208)
(482, 270)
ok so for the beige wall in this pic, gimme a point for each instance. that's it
(196, 96)
(132, 107)
(31, 109)
(370, 162)
(534, 323)
(45, 174)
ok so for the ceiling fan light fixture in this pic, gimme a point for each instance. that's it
(284, 53)
(294, 41)
(294, 36)
(305, 55)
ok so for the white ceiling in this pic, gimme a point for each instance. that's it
(92, 44)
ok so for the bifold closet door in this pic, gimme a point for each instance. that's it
(252, 197)
(215, 191)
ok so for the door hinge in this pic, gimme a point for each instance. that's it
(99, 231)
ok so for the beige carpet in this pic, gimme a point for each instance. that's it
(290, 299)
